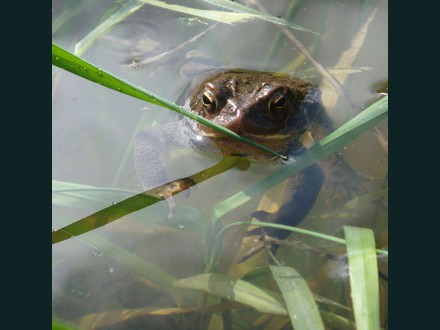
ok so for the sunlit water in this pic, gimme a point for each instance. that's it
(94, 129)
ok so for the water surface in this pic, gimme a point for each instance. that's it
(93, 131)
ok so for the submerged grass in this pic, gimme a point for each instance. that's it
(214, 15)
(336, 140)
(295, 300)
(364, 280)
(224, 286)
(241, 292)
(254, 13)
(300, 303)
(139, 201)
(113, 16)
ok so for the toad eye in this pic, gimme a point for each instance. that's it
(277, 104)
(209, 101)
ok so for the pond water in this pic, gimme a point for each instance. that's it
(116, 276)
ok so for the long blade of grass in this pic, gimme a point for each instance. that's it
(298, 230)
(239, 8)
(110, 317)
(318, 66)
(364, 280)
(302, 308)
(140, 201)
(76, 195)
(104, 216)
(95, 198)
(329, 97)
(70, 12)
(223, 286)
(335, 321)
(331, 143)
(130, 260)
(62, 325)
(113, 18)
(214, 15)
(72, 63)
(293, 9)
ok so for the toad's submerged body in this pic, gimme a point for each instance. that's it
(270, 109)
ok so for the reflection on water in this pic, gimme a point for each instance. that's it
(123, 272)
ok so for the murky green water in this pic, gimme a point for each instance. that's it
(93, 132)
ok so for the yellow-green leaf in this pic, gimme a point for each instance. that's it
(302, 308)
(223, 286)
(364, 279)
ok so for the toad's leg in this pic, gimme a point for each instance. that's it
(302, 191)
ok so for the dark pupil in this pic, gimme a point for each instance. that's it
(207, 100)
(280, 102)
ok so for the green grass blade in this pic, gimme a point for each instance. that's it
(293, 9)
(354, 127)
(239, 8)
(138, 201)
(104, 216)
(130, 260)
(85, 197)
(61, 325)
(226, 287)
(123, 12)
(302, 308)
(214, 15)
(331, 143)
(278, 226)
(69, 13)
(334, 321)
(72, 63)
(364, 280)
(329, 96)
(69, 194)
